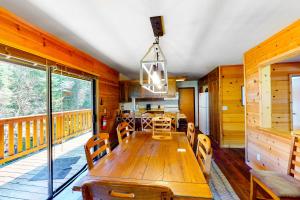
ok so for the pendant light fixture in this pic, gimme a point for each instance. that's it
(153, 71)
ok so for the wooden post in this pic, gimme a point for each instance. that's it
(1, 141)
(53, 131)
(11, 146)
(58, 127)
(27, 137)
(75, 123)
(79, 123)
(20, 137)
(72, 124)
(47, 130)
(34, 133)
(66, 124)
(42, 131)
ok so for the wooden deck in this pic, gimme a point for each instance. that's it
(15, 178)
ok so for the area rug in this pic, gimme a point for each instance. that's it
(61, 168)
(219, 185)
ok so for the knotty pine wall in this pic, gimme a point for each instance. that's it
(267, 148)
(232, 119)
(224, 86)
(280, 85)
(19, 34)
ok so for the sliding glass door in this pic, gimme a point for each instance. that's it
(45, 120)
(72, 123)
(23, 130)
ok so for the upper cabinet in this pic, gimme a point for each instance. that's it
(129, 89)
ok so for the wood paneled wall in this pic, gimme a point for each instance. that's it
(224, 87)
(285, 44)
(214, 105)
(232, 117)
(280, 85)
(17, 33)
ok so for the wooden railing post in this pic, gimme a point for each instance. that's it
(58, 128)
(11, 145)
(66, 124)
(75, 123)
(34, 144)
(72, 121)
(27, 137)
(1, 141)
(41, 131)
(20, 137)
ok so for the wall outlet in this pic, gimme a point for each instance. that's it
(225, 108)
(258, 157)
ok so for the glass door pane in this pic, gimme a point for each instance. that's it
(72, 124)
(23, 130)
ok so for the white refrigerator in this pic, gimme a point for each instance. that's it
(204, 113)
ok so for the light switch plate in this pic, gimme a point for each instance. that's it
(258, 157)
(225, 108)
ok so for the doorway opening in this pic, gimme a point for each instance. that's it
(187, 103)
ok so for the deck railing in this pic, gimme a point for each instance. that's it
(20, 136)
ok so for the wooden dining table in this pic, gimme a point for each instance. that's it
(141, 159)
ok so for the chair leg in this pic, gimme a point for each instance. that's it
(253, 189)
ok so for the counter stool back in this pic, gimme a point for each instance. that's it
(130, 119)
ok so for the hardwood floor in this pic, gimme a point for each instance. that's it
(232, 164)
(231, 161)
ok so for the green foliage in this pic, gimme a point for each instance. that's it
(23, 91)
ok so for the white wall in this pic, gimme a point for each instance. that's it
(194, 84)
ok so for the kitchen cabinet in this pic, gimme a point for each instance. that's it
(129, 89)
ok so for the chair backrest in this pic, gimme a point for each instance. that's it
(107, 190)
(146, 122)
(294, 162)
(101, 141)
(204, 153)
(162, 124)
(191, 133)
(173, 117)
(130, 119)
(122, 131)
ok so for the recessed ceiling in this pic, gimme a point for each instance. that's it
(200, 34)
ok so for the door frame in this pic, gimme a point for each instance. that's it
(193, 99)
(291, 96)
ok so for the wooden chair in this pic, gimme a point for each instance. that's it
(278, 185)
(191, 133)
(122, 131)
(173, 117)
(120, 190)
(146, 122)
(130, 119)
(101, 142)
(204, 154)
(162, 127)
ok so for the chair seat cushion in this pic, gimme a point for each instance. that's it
(281, 184)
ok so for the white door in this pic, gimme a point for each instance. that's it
(296, 102)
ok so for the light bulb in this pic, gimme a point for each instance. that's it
(155, 78)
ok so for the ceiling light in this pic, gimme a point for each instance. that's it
(180, 79)
(153, 71)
